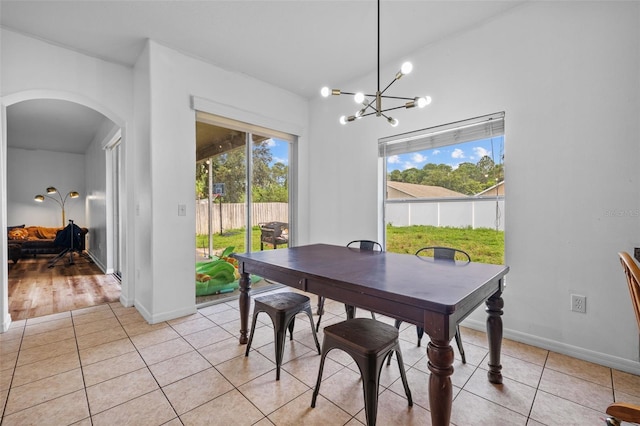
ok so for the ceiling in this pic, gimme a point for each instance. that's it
(298, 46)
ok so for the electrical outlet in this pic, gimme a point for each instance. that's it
(578, 303)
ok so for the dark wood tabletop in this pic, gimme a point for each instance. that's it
(430, 293)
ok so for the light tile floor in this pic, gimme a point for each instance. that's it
(106, 365)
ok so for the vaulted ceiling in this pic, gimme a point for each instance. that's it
(299, 46)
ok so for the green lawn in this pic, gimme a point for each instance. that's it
(483, 245)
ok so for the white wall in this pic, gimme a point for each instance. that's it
(567, 76)
(30, 173)
(166, 82)
(33, 69)
(96, 176)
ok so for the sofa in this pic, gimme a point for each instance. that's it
(33, 240)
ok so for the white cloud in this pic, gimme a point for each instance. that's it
(284, 161)
(393, 159)
(419, 158)
(457, 153)
(481, 152)
(271, 142)
(436, 151)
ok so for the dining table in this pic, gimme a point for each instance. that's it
(430, 293)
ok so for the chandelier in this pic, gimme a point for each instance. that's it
(371, 104)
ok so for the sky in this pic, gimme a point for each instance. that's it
(453, 155)
(279, 151)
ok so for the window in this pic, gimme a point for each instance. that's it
(445, 186)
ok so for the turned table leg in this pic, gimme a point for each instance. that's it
(440, 357)
(245, 302)
(494, 334)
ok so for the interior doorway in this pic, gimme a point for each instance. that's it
(50, 120)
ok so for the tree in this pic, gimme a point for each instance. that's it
(467, 178)
(269, 183)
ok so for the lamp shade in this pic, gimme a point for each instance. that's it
(39, 198)
(51, 190)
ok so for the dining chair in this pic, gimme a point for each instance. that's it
(447, 254)
(282, 308)
(621, 411)
(362, 245)
(368, 342)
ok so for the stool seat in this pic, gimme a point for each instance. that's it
(282, 308)
(368, 342)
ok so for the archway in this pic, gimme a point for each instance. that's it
(112, 127)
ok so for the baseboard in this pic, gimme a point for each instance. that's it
(622, 364)
(95, 260)
(165, 316)
(6, 322)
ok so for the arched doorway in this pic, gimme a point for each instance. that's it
(40, 109)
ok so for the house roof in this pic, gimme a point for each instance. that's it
(497, 189)
(412, 190)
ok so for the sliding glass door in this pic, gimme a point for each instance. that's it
(242, 185)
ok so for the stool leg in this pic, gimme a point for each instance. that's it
(459, 343)
(316, 390)
(397, 325)
(320, 311)
(350, 311)
(313, 331)
(403, 375)
(253, 328)
(420, 333)
(291, 324)
(279, 334)
(370, 383)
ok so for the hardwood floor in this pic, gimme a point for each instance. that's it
(36, 290)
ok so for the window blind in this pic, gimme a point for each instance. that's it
(469, 130)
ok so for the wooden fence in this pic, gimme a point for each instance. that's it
(234, 215)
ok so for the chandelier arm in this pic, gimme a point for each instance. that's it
(398, 97)
(369, 113)
(370, 105)
(353, 93)
(389, 85)
(391, 109)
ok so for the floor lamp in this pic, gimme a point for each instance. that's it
(61, 201)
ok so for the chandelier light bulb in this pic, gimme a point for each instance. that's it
(374, 106)
(406, 68)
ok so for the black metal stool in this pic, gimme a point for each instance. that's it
(282, 308)
(368, 342)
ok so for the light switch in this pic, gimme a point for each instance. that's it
(182, 209)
